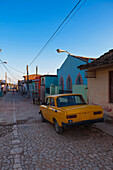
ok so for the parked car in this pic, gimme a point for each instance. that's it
(69, 109)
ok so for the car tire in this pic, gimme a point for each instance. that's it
(42, 118)
(58, 128)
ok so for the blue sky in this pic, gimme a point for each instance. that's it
(26, 25)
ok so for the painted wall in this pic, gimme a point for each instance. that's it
(98, 89)
(45, 85)
(57, 88)
(30, 89)
(80, 89)
(69, 67)
(33, 85)
(50, 80)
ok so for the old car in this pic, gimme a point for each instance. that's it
(69, 109)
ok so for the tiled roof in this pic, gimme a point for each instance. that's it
(48, 75)
(83, 58)
(104, 60)
(31, 77)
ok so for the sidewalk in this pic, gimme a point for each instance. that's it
(6, 109)
(107, 125)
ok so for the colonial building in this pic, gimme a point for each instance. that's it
(70, 79)
(36, 83)
(47, 83)
(31, 77)
(100, 81)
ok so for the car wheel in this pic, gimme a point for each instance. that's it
(58, 128)
(42, 118)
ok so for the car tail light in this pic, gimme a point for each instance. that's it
(97, 113)
(72, 116)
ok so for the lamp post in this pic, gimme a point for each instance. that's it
(5, 62)
(60, 51)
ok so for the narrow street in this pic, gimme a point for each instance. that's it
(28, 144)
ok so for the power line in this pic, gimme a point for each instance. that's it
(54, 33)
(67, 22)
(9, 72)
(1, 69)
(14, 69)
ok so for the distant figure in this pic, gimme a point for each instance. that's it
(13, 92)
(4, 89)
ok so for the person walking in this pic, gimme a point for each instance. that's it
(13, 91)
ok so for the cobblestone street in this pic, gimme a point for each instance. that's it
(28, 144)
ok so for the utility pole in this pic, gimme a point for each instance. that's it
(6, 77)
(27, 82)
(0, 83)
(27, 79)
(36, 71)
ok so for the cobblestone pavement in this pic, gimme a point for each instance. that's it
(29, 144)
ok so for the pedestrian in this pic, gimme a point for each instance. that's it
(13, 91)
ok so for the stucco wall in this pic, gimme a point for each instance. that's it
(80, 89)
(69, 67)
(98, 89)
(50, 80)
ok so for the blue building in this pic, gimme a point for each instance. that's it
(47, 83)
(71, 79)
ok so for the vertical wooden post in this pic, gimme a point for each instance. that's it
(6, 77)
(36, 71)
(28, 83)
(27, 79)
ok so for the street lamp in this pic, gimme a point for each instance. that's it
(5, 62)
(60, 51)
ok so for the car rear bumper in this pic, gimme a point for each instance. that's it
(83, 122)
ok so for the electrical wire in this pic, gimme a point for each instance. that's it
(50, 39)
(9, 71)
(66, 23)
(14, 69)
(1, 69)
(54, 33)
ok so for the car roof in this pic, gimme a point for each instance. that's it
(60, 95)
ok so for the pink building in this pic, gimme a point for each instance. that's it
(100, 81)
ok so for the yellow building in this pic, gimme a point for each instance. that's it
(100, 81)
(31, 77)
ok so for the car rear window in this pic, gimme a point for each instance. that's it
(70, 100)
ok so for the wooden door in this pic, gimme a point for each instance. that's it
(111, 86)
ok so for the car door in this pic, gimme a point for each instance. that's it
(51, 109)
(45, 112)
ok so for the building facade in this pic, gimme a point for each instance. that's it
(100, 81)
(46, 82)
(71, 79)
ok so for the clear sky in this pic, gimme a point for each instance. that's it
(26, 25)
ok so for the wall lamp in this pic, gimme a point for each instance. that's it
(60, 51)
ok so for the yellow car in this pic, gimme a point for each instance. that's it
(69, 109)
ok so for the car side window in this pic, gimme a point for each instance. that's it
(48, 101)
(52, 102)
